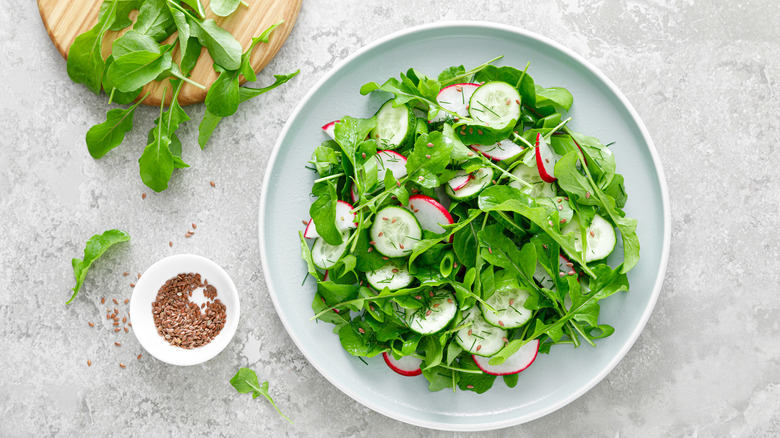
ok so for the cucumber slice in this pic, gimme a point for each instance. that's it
(530, 175)
(600, 238)
(326, 255)
(434, 316)
(508, 301)
(495, 104)
(393, 275)
(394, 126)
(481, 178)
(479, 338)
(395, 231)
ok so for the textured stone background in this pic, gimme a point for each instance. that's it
(702, 74)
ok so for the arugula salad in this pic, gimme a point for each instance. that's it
(465, 227)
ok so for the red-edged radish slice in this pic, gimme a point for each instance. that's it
(545, 159)
(353, 194)
(405, 366)
(330, 129)
(345, 220)
(460, 180)
(430, 213)
(326, 278)
(455, 98)
(503, 150)
(514, 364)
(392, 161)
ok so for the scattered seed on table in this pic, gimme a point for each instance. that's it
(132, 284)
(127, 300)
(143, 196)
(118, 344)
(126, 330)
(212, 184)
(121, 365)
(89, 363)
(103, 300)
(124, 319)
(139, 357)
(117, 329)
(170, 244)
(91, 324)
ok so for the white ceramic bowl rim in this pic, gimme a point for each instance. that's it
(145, 293)
(656, 286)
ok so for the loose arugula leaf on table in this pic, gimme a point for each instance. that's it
(245, 382)
(105, 136)
(197, 6)
(133, 41)
(85, 62)
(121, 12)
(222, 98)
(224, 49)
(96, 246)
(155, 20)
(136, 69)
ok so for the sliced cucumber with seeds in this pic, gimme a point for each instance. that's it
(435, 315)
(530, 175)
(495, 104)
(326, 255)
(507, 302)
(394, 125)
(395, 231)
(479, 337)
(481, 178)
(600, 238)
(393, 275)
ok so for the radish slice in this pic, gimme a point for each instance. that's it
(460, 180)
(392, 161)
(430, 213)
(515, 363)
(545, 159)
(455, 98)
(345, 220)
(405, 366)
(330, 129)
(326, 278)
(503, 150)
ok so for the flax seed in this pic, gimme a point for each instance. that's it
(212, 184)
(430, 145)
(91, 324)
(587, 195)
(449, 300)
(401, 246)
(436, 305)
(121, 365)
(132, 284)
(143, 195)
(170, 243)
(115, 302)
(501, 323)
(385, 258)
(360, 329)
(517, 101)
(370, 249)
(505, 339)
(395, 271)
(118, 344)
(103, 300)
(124, 274)
(470, 154)
(563, 221)
(417, 297)
(479, 347)
(428, 313)
(431, 294)
(511, 301)
(126, 330)
(470, 386)
(592, 234)
(117, 329)
(469, 332)
(380, 234)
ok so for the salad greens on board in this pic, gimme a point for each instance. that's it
(465, 227)
(138, 58)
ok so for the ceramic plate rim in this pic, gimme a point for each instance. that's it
(454, 25)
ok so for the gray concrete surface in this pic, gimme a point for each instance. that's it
(702, 74)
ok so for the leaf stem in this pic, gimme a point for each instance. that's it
(471, 72)
(338, 175)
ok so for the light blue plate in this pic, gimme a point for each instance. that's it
(600, 110)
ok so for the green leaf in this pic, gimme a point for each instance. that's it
(197, 6)
(323, 212)
(96, 246)
(356, 339)
(478, 383)
(222, 97)
(191, 55)
(118, 97)
(182, 27)
(246, 67)
(122, 12)
(105, 136)
(155, 20)
(223, 8)
(450, 73)
(136, 69)
(156, 163)
(224, 49)
(351, 132)
(245, 381)
(85, 63)
(171, 119)
(441, 378)
(132, 41)
(428, 159)
(554, 95)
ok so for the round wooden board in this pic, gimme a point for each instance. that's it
(66, 19)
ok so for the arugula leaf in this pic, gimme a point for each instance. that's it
(451, 73)
(190, 57)
(245, 381)
(441, 378)
(170, 120)
(553, 95)
(429, 158)
(115, 96)
(196, 6)
(96, 246)
(223, 8)
(121, 13)
(133, 41)
(477, 382)
(222, 98)
(351, 132)
(105, 136)
(136, 69)
(156, 163)
(246, 67)
(85, 63)
(224, 49)
(155, 20)
(323, 212)
(356, 338)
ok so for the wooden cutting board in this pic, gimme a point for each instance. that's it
(66, 19)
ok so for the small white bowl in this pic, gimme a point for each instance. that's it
(145, 293)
